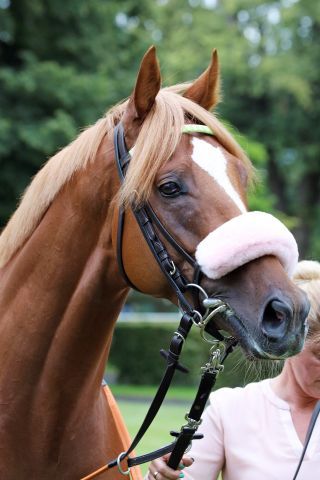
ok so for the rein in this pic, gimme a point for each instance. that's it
(147, 221)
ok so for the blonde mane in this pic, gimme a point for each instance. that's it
(157, 140)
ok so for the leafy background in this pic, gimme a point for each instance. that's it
(64, 63)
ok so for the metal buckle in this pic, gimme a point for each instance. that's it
(180, 335)
(216, 353)
(191, 422)
(214, 306)
(174, 269)
(197, 324)
(195, 285)
(123, 472)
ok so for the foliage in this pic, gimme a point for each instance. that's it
(170, 417)
(64, 63)
(135, 356)
(135, 353)
(269, 53)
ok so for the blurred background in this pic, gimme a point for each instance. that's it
(63, 63)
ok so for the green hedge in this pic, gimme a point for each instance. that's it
(135, 357)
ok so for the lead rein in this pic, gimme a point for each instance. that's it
(218, 354)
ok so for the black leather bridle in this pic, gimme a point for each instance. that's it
(149, 224)
(147, 221)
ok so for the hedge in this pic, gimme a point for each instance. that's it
(135, 357)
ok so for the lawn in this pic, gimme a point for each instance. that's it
(185, 394)
(170, 417)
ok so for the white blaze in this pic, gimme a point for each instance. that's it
(212, 160)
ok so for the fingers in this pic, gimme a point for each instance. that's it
(165, 475)
(187, 461)
(159, 469)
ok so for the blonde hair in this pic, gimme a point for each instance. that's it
(307, 277)
(157, 140)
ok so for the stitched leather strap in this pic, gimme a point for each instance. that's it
(173, 355)
(159, 251)
(188, 432)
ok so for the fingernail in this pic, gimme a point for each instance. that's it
(181, 475)
(181, 466)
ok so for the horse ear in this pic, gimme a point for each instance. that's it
(205, 90)
(147, 85)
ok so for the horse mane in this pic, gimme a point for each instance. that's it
(157, 140)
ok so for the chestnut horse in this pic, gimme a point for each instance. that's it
(62, 291)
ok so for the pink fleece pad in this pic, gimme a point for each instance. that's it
(244, 238)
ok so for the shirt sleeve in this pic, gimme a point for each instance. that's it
(208, 453)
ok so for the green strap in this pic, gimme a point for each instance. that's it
(190, 128)
(194, 128)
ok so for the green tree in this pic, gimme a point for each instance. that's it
(62, 65)
(269, 52)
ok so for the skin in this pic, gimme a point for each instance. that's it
(164, 472)
(62, 292)
(298, 384)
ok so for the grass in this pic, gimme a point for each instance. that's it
(147, 392)
(170, 417)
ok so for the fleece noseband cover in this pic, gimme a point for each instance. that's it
(245, 238)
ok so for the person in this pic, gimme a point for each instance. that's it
(257, 432)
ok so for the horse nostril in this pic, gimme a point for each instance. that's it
(276, 319)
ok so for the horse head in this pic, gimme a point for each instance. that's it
(195, 177)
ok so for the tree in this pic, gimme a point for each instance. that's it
(269, 53)
(62, 65)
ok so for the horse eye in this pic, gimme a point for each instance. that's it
(170, 189)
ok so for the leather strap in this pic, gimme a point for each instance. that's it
(188, 432)
(159, 251)
(169, 237)
(312, 423)
(173, 355)
(145, 217)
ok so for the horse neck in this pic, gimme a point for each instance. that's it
(61, 293)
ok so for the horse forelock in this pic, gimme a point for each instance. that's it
(158, 138)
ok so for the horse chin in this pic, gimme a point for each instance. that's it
(255, 346)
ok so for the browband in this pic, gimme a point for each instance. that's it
(196, 128)
(190, 128)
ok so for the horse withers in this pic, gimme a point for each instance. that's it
(62, 289)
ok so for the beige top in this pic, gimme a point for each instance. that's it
(249, 435)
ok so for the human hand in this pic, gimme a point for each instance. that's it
(159, 469)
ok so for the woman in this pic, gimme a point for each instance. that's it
(257, 432)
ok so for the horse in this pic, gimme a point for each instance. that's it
(62, 288)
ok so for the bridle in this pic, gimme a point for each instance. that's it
(201, 314)
(202, 317)
(150, 224)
